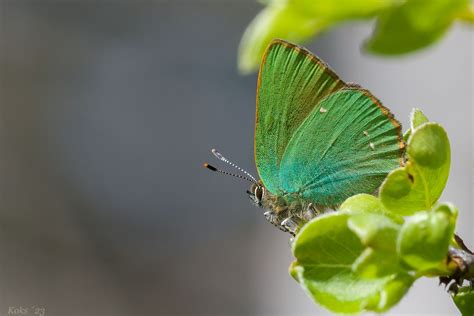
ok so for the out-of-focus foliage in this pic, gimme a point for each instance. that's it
(402, 26)
(464, 300)
(413, 25)
(366, 256)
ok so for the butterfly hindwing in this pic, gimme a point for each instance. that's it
(346, 145)
(292, 81)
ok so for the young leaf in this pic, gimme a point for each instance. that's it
(297, 21)
(464, 300)
(413, 25)
(402, 26)
(342, 9)
(393, 291)
(424, 239)
(326, 250)
(363, 203)
(419, 184)
(375, 230)
(467, 15)
(368, 203)
(274, 21)
(417, 118)
(373, 264)
(378, 233)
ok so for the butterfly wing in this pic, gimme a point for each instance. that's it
(346, 145)
(291, 82)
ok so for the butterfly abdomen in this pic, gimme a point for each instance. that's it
(288, 212)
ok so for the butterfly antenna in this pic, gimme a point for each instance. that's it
(219, 156)
(212, 168)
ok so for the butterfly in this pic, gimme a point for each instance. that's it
(318, 140)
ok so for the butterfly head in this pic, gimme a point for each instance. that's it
(277, 211)
(257, 193)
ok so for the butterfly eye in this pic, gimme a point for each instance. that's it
(258, 192)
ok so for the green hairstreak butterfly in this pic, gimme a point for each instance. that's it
(318, 140)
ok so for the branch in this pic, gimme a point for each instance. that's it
(463, 259)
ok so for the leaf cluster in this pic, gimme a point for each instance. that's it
(367, 255)
(402, 26)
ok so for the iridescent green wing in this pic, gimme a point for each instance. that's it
(291, 82)
(346, 145)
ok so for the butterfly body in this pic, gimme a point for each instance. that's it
(318, 140)
(287, 211)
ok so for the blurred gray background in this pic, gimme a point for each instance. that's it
(108, 110)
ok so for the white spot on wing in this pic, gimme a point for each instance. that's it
(322, 110)
(372, 146)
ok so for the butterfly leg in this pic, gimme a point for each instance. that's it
(311, 212)
(292, 224)
(274, 219)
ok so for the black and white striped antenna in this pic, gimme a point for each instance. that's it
(219, 156)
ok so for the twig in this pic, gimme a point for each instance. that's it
(463, 258)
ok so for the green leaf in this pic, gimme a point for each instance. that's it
(327, 240)
(297, 21)
(464, 300)
(333, 11)
(375, 230)
(373, 264)
(417, 118)
(378, 233)
(407, 135)
(424, 239)
(368, 203)
(394, 291)
(363, 203)
(413, 24)
(274, 21)
(326, 250)
(448, 209)
(467, 15)
(402, 25)
(419, 184)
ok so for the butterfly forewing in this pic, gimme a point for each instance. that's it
(291, 83)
